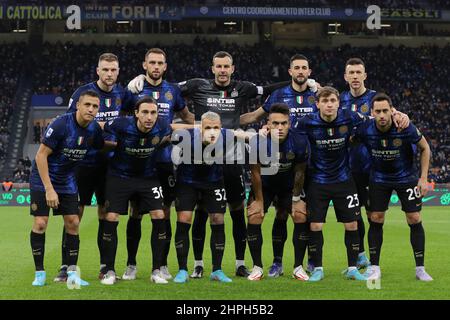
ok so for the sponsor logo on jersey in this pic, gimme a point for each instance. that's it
(397, 142)
(108, 102)
(299, 99)
(168, 95)
(155, 140)
(343, 129)
(155, 95)
(364, 108)
(384, 143)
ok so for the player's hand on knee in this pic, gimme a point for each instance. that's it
(52, 198)
(137, 84)
(255, 208)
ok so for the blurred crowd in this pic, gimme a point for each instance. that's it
(11, 58)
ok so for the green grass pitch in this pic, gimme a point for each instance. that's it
(397, 263)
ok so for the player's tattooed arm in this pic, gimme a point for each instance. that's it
(42, 164)
(425, 156)
(186, 116)
(257, 206)
(298, 206)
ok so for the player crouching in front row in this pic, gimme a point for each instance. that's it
(392, 158)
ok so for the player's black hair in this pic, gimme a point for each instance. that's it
(145, 100)
(354, 62)
(222, 54)
(381, 96)
(282, 108)
(90, 93)
(298, 56)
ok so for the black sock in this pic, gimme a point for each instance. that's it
(362, 233)
(167, 244)
(133, 238)
(199, 233)
(73, 247)
(64, 253)
(182, 244)
(352, 244)
(315, 247)
(279, 236)
(217, 245)
(300, 240)
(255, 241)
(109, 243)
(158, 242)
(239, 233)
(37, 241)
(417, 238)
(101, 223)
(375, 238)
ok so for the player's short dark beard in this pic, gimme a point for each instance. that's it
(300, 83)
(153, 78)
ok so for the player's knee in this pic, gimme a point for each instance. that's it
(314, 226)
(71, 223)
(413, 218)
(351, 226)
(40, 224)
(112, 217)
(216, 218)
(157, 214)
(255, 219)
(184, 217)
(299, 217)
(377, 217)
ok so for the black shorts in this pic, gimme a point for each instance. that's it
(91, 180)
(344, 197)
(166, 176)
(362, 187)
(213, 199)
(146, 192)
(281, 199)
(234, 182)
(409, 195)
(68, 204)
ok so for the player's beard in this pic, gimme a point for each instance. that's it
(150, 75)
(300, 82)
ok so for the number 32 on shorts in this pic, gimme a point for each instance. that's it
(220, 194)
(353, 201)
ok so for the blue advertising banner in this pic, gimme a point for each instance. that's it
(169, 12)
(47, 100)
